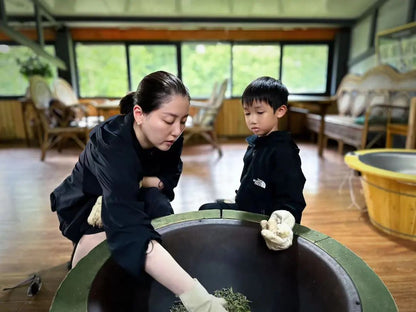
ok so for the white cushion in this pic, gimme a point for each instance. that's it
(376, 98)
(400, 99)
(359, 104)
(344, 103)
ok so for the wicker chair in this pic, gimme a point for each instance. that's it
(64, 92)
(203, 122)
(56, 122)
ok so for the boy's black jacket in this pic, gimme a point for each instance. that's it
(272, 178)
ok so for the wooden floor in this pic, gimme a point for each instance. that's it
(31, 242)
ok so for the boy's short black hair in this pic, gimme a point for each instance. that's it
(267, 89)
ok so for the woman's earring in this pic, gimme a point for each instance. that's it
(138, 123)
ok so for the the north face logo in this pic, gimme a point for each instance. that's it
(260, 183)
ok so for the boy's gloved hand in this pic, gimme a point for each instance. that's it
(199, 300)
(277, 231)
(94, 218)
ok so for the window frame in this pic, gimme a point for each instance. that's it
(179, 44)
(330, 45)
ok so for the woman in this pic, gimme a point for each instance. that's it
(119, 154)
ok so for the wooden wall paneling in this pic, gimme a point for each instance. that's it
(231, 123)
(11, 120)
(230, 120)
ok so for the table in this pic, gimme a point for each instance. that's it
(105, 109)
(317, 103)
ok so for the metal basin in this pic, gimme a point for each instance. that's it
(401, 162)
(229, 252)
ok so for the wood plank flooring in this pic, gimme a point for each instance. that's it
(31, 242)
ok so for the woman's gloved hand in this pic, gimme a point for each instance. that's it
(198, 299)
(94, 218)
(277, 231)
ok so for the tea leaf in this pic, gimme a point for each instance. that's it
(236, 302)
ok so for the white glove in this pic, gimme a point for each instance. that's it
(198, 299)
(94, 218)
(277, 231)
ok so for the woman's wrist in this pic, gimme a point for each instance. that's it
(152, 182)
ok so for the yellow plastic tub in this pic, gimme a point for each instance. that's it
(388, 177)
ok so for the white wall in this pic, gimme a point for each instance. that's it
(391, 14)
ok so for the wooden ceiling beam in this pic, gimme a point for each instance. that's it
(138, 34)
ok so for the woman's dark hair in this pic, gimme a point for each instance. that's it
(267, 89)
(156, 88)
(126, 103)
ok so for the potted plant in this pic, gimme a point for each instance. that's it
(34, 66)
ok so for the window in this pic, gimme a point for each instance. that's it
(145, 59)
(102, 70)
(253, 61)
(304, 68)
(12, 82)
(203, 65)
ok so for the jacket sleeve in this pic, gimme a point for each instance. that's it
(288, 183)
(72, 202)
(172, 169)
(127, 226)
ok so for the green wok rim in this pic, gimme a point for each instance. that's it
(72, 293)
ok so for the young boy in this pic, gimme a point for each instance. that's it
(272, 178)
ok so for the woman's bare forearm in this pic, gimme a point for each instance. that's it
(162, 267)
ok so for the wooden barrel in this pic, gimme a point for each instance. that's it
(388, 178)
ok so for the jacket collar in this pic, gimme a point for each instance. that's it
(255, 140)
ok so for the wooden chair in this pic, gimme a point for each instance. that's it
(56, 122)
(203, 122)
(64, 92)
(408, 130)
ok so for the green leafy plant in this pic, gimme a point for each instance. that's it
(236, 302)
(34, 66)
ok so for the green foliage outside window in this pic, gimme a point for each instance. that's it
(102, 70)
(33, 65)
(253, 61)
(304, 68)
(12, 81)
(203, 65)
(145, 59)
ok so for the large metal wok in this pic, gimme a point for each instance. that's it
(315, 274)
